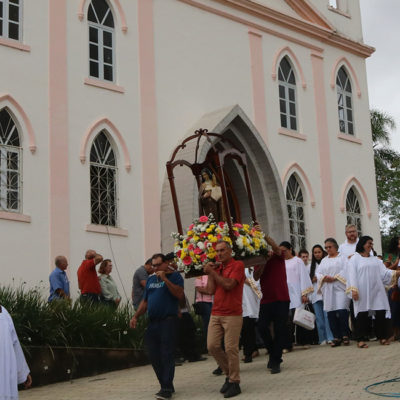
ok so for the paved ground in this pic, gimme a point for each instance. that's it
(317, 373)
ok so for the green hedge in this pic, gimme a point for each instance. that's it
(69, 324)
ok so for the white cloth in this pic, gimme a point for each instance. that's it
(298, 280)
(251, 302)
(315, 296)
(13, 367)
(348, 249)
(334, 293)
(368, 276)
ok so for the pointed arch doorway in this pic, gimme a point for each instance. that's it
(269, 198)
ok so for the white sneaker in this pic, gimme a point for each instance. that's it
(323, 343)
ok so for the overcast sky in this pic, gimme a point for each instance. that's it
(381, 27)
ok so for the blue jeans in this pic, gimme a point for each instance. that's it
(160, 339)
(339, 323)
(321, 319)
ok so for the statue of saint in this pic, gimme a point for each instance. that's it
(211, 196)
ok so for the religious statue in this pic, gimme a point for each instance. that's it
(211, 196)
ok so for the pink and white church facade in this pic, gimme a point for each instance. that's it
(96, 94)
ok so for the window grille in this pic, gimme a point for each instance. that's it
(353, 211)
(344, 96)
(103, 186)
(10, 19)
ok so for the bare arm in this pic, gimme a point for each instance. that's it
(225, 283)
(202, 290)
(98, 258)
(258, 272)
(143, 283)
(176, 290)
(210, 288)
(140, 311)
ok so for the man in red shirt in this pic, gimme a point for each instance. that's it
(88, 280)
(225, 282)
(274, 307)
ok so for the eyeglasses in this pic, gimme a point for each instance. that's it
(328, 247)
(157, 265)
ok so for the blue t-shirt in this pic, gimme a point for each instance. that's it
(58, 280)
(160, 302)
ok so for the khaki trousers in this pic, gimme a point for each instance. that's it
(228, 328)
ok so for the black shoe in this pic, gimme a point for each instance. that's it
(233, 390)
(248, 359)
(163, 394)
(197, 359)
(225, 386)
(217, 371)
(275, 369)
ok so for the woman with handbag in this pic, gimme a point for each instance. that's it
(332, 273)
(366, 284)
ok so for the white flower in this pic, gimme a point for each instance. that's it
(200, 245)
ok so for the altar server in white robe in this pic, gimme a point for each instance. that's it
(299, 285)
(367, 277)
(13, 367)
(331, 276)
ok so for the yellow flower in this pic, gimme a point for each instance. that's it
(245, 241)
(183, 254)
(184, 244)
(208, 230)
(227, 239)
(190, 233)
(196, 238)
(211, 254)
(246, 228)
(191, 253)
(212, 226)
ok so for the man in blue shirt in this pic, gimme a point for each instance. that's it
(161, 298)
(59, 283)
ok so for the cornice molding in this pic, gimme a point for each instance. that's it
(310, 29)
(307, 11)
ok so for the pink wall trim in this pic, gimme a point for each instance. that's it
(344, 61)
(112, 129)
(294, 167)
(104, 85)
(251, 24)
(293, 134)
(106, 229)
(121, 12)
(308, 12)
(349, 138)
(263, 12)
(59, 205)
(323, 145)
(14, 44)
(14, 216)
(7, 99)
(149, 130)
(277, 58)
(353, 181)
(258, 84)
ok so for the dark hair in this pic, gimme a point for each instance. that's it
(170, 256)
(314, 261)
(393, 246)
(159, 255)
(288, 246)
(208, 172)
(303, 251)
(361, 243)
(333, 241)
(103, 265)
(148, 262)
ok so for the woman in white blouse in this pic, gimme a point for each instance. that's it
(367, 277)
(332, 283)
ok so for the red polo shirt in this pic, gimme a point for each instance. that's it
(229, 302)
(87, 278)
(273, 281)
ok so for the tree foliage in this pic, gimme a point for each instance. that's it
(387, 169)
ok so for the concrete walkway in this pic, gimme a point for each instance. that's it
(317, 373)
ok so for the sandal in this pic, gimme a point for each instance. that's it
(336, 343)
(346, 340)
(362, 345)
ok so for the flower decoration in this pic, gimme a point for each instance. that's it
(197, 247)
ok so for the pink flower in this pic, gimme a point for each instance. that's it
(221, 224)
(203, 218)
(190, 247)
(203, 235)
(236, 233)
(191, 227)
(219, 237)
(203, 257)
(238, 225)
(197, 251)
(187, 260)
(178, 254)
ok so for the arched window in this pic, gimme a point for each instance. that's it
(353, 210)
(287, 95)
(103, 182)
(101, 40)
(10, 164)
(295, 207)
(10, 19)
(345, 108)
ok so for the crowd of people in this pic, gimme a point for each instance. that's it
(352, 292)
